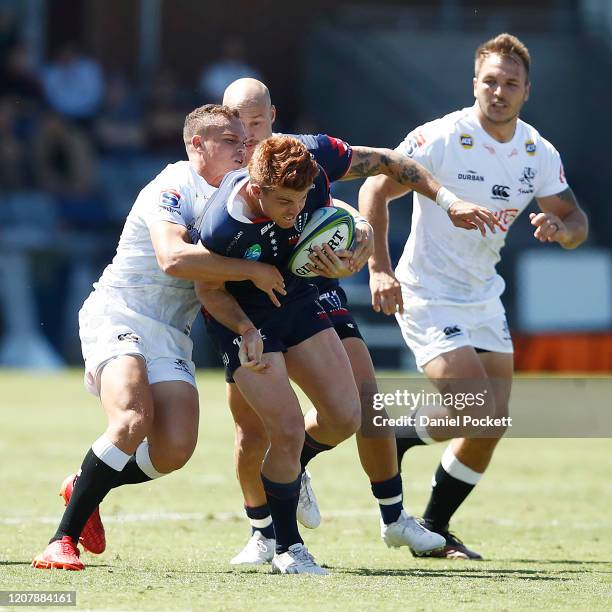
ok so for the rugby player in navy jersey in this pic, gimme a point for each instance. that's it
(256, 213)
(378, 456)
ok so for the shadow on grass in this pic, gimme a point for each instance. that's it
(16, 562)
(102, 565)
(484, 574)
(555, 561)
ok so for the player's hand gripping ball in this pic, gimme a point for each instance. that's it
(329, 225)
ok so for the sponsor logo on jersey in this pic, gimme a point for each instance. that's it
(131, 336)
(526, 180)
(253, 253)
(467, 141)
(530, 147)
(500, 192)
(489, 148)
(332, 299)
(233, 242)
(452, 330)
(506, 330)
(266, 227)
(181, 365)
(194, 234)
(410, 146)
(412, 143)
(470, 175)
(170, 200)
(505, 218)
(238, 339)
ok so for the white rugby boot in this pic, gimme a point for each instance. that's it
(297, 560)
(407, 531)
(308, 510)
(257, 551)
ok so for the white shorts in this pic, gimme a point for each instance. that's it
(109, 329)
(431, 330)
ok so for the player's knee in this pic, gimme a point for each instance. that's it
(288, 439)
(348, 420)
(175, 455)
(251, 444)
(132, 425)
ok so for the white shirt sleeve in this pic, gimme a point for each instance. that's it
(552, 176)
(425, 145)
(171, 203)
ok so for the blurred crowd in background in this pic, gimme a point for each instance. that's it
(67, 126)
(94, 96)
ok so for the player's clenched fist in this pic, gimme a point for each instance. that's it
(386, 293)
(251, 350)
(549, 228)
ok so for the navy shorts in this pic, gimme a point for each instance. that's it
(280, 328)
(336, 306)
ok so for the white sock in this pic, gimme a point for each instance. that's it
(106, 451)
(458, 470)
(143, 461)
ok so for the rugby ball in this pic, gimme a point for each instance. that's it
(329, 225)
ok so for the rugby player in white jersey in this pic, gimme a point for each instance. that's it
(378, 455)
(135, 328)
(445, 292)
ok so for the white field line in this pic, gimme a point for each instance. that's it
(165, 517)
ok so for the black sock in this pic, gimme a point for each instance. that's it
(130, 474)
(404, 444)
(405, 438)
(91, 487)
(389, 496)
(283, 501)
(311, 449)
(258, 515)
(447, 494)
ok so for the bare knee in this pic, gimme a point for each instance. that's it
(172, 454)
(251, 443)
(287, 437)
(130, 412)
(347, 421)
(131, 426)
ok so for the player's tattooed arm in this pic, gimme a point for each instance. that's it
(561, 220)
(367, 161)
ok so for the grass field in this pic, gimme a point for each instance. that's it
(542, 516)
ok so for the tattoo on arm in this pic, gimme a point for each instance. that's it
(410, 175)
(370, 162)
(366, 162)
(567, 196)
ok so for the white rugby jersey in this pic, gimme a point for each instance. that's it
(445, 264)
(178, 194)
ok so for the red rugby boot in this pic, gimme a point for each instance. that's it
(93, 538)
(60, 554)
